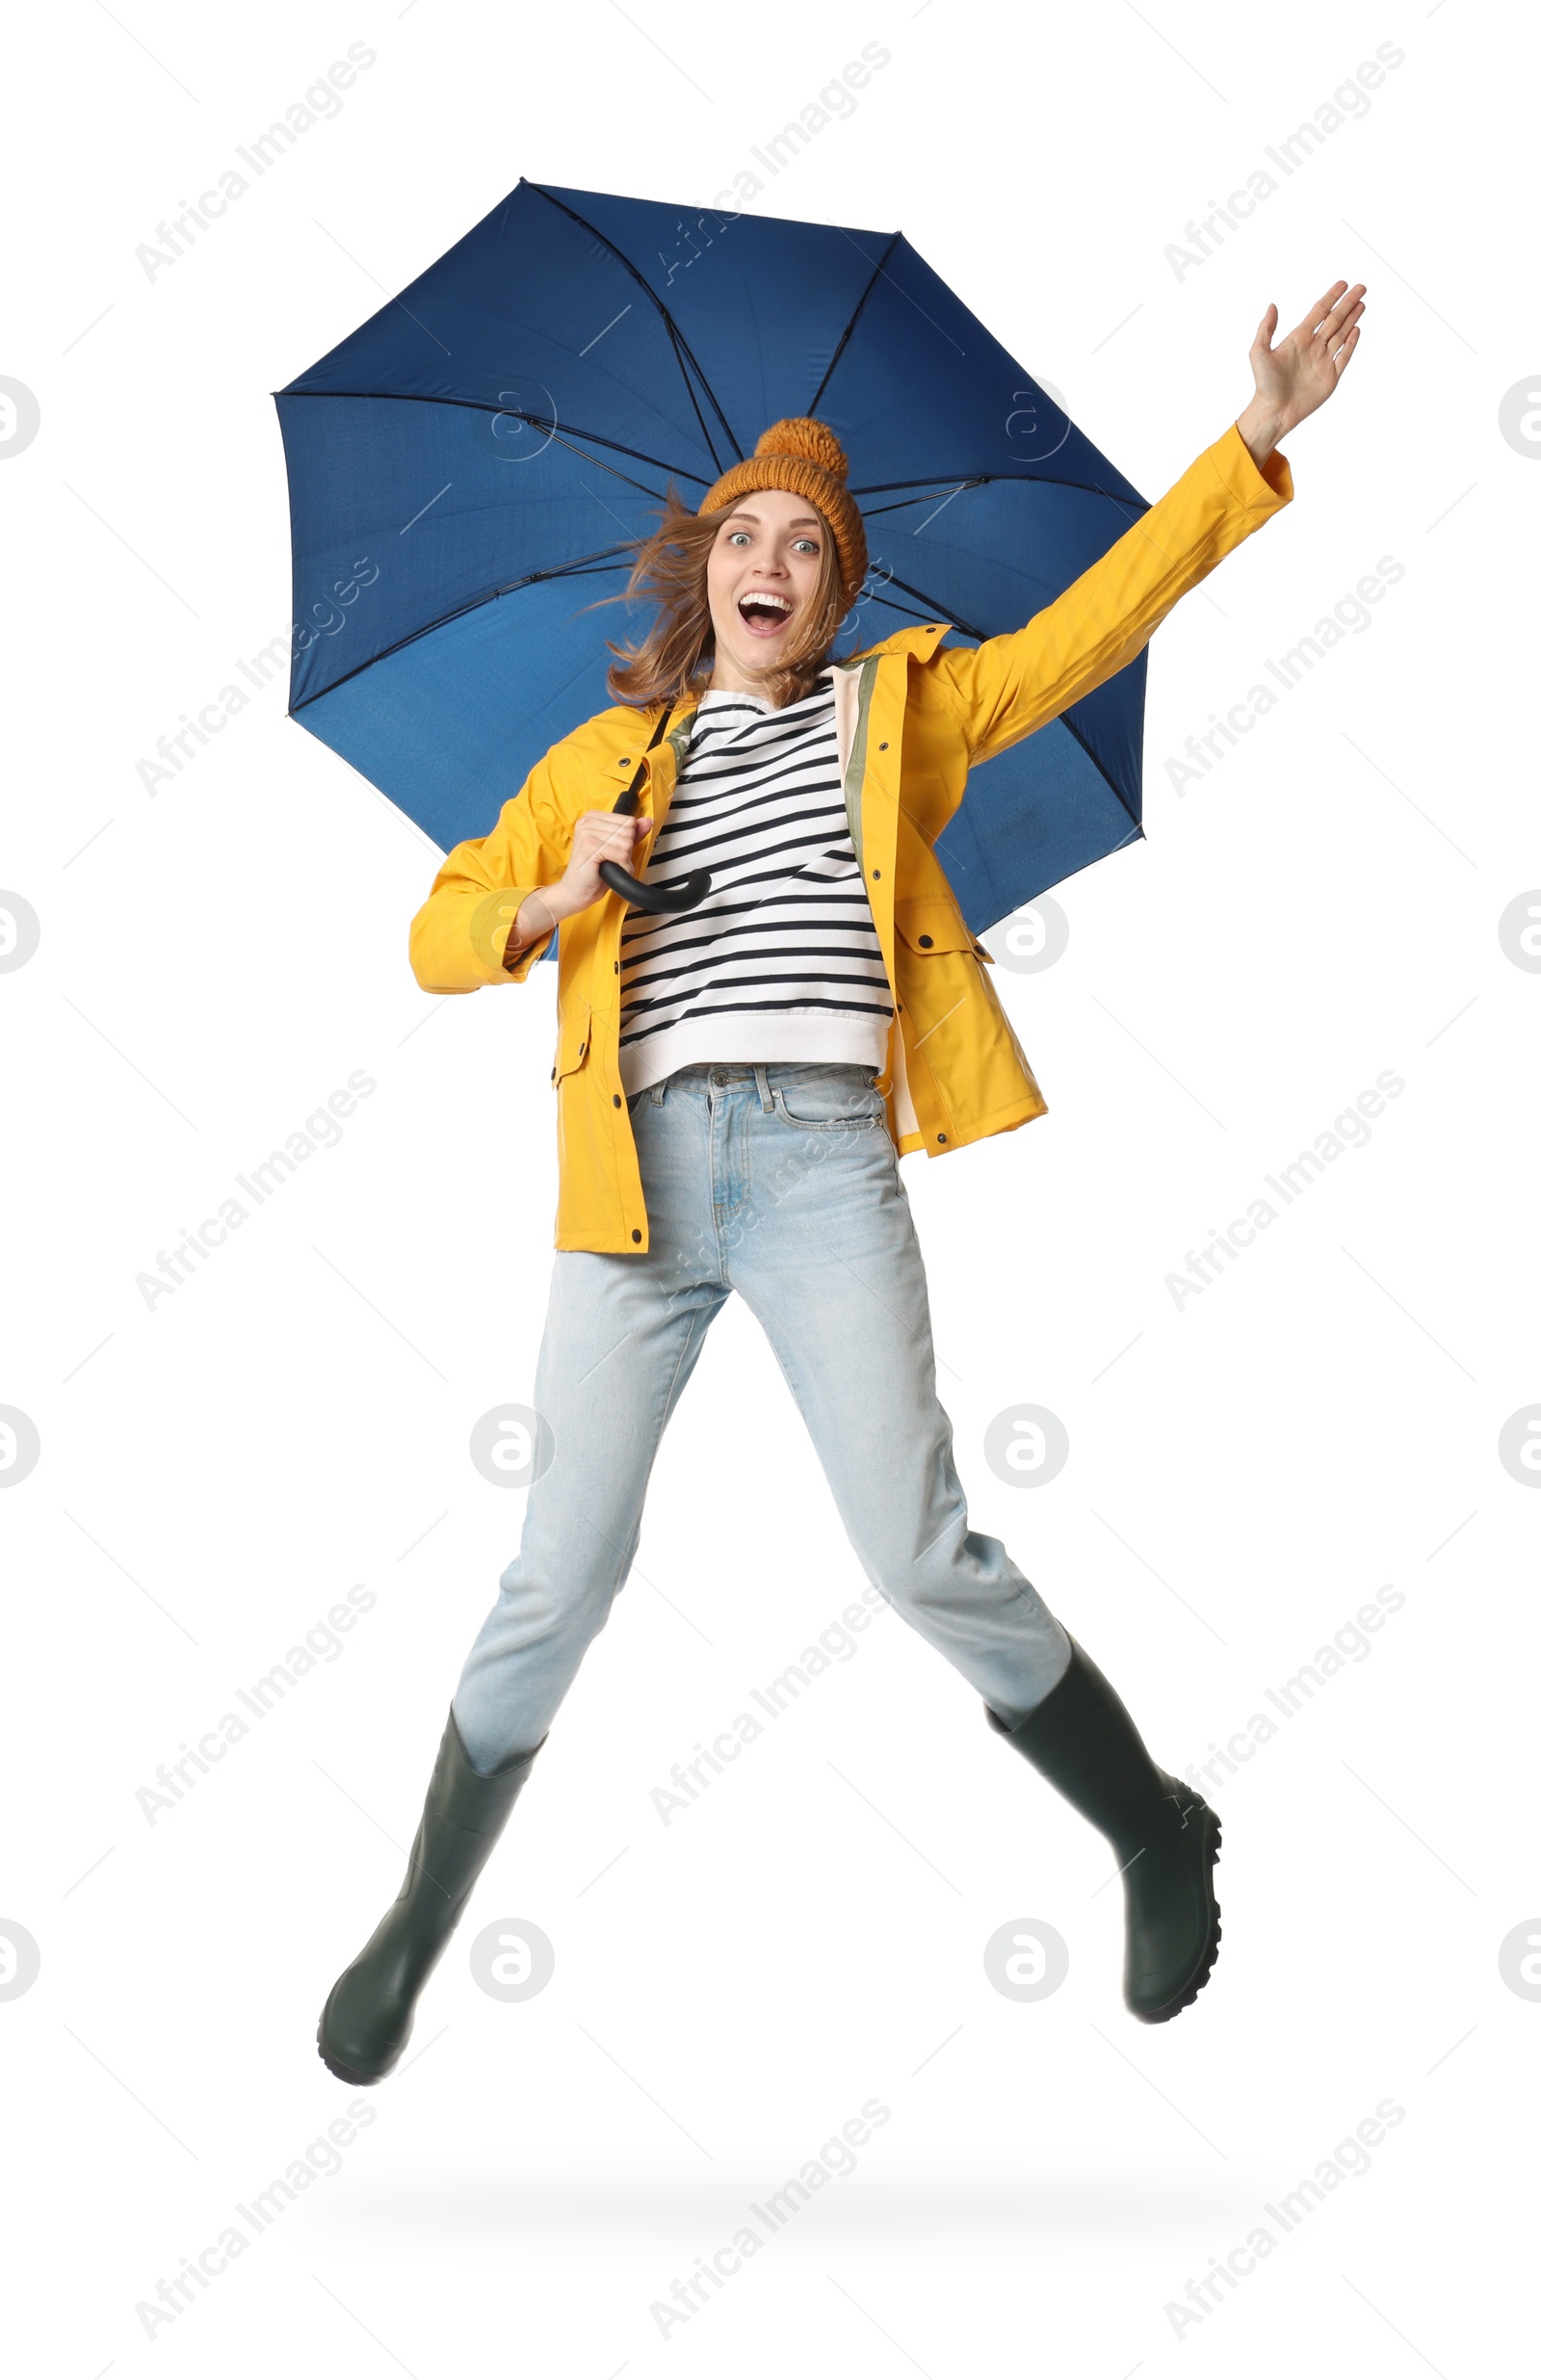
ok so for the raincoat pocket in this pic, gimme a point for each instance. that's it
(574, 1038)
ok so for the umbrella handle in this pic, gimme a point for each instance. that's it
(659, 900)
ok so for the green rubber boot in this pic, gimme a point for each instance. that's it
(368, 2017)
(1164, 1836)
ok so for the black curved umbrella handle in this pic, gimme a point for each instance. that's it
(659, 900)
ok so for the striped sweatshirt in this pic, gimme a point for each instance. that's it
(781, 960)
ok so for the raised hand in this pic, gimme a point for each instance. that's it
(1300, 374)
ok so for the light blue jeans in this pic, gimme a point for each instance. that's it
(782, 1182)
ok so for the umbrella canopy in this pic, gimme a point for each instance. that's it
(471, 468)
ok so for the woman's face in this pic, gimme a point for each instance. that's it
(761, 577)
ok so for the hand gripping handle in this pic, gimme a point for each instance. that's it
(660, 900)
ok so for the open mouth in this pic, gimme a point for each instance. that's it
(765, 614)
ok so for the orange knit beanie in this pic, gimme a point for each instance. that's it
(805, 457)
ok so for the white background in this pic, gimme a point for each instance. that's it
(1244, 1471)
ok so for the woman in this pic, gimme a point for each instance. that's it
(735, 1082)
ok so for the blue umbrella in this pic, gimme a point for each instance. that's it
(472, 467)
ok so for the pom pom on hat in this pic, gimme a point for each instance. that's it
(815, 441)
(805, 457)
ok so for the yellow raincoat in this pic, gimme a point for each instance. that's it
(912, 717)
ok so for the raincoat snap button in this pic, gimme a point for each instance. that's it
(614, 1099)
(941, 1136)
(883, 748)
(877, 871)
(637, 1235)
(925, 942)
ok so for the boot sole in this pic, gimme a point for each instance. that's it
(1210, 1952)
(347, 2074)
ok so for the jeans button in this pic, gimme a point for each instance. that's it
(718, 1076)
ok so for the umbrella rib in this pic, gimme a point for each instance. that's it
(681, 345)
(624, 477)
(902, 610)
(994, 478)
(681, 352)
(1062, 719)
(585, 565)
(1065, 721)
(840, 345)
(536, 421)
(937, 611)
(870, 511)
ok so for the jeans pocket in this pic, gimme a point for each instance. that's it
(827, 1098)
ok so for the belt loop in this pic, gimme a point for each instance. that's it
(766, 1101)
(656, 1094)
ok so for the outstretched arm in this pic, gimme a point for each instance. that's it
(1300, 374)
(1009, 686)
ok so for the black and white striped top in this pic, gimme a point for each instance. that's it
(781, 959)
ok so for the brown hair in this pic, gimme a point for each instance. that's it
(674, 659)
